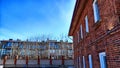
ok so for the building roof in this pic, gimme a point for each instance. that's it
(79, 6)
(19, 41)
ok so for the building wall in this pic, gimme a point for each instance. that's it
(34, 49)
(103, 36)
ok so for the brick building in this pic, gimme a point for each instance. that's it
(95, 28)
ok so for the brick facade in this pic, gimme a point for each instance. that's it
(34, 50)
(103, 36)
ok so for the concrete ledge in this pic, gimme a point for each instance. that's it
(68, 62)
(57, 62)
(10, 62)
(44, 62)
(21, 62)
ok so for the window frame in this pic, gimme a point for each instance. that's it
(84, 62)
(81, 32)
(86, 24)
(96, 11)
(90, 61)
(80, 62)
(78, 39)
(102, 61)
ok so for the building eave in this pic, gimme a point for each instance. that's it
(74, 13)
(79, 6)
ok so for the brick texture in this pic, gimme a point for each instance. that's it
(103, 36)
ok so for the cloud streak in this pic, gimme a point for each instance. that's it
(25, 18)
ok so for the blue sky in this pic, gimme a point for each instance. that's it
(27, 18)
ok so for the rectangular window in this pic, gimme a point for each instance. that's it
(81, 33)
(79, 63)
(96, 11)
(90, 61)
(84, 62)
(119, 18)
(86, 24)
(76, 63)
(102, 57)
(78, 36)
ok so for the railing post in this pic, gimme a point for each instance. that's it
(38, 60)
(62, 60)
(15, 60)
(4, 60)
(26, 60)
(50, 60)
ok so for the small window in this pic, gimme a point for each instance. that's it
(103, 62)
(90, 61)
(96, 11)
(78, 36)
(86, 24)
(119, 18)
(76, 63)
(81, 32)
(84, 62)
(80, 63)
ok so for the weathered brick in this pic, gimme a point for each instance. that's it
(102, 36)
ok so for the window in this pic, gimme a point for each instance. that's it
(84, 62)
(81, 33)
(78, 36)
(96, 11)
(119, 18)
(102, 57)
(86, 24)
(57, 46)
(52, 45)
(90, 61)
(76, 63)
(79, 63)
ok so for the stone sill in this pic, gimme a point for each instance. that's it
(97, 24)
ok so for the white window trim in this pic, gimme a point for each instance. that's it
(90, 61)
(95, 13)
(81, 31)
(84, 62)
(102, 63)
(76, 62)
(79, 62)
(78, 36)
(86, 24)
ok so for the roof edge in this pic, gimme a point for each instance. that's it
(74, 13)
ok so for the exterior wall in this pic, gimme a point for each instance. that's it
(44, 50)
(103, 36)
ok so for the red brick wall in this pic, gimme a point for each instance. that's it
(100, 38)
(117, 6)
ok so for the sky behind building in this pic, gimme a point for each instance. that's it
(27, 18)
